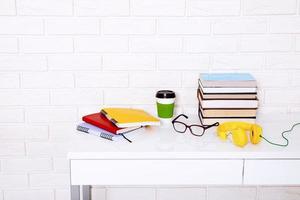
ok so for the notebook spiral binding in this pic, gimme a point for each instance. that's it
(107, 136)
(83, 129)
(102, 134)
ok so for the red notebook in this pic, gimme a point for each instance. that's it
(99, 120)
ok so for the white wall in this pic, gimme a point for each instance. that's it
(61, 59)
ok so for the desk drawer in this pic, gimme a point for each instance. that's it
(272, 172)
(155, 172)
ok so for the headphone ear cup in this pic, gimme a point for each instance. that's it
(222, 134)
(239, 137)
(255, 134)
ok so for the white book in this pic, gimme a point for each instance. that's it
(209, 121)
(229, 103)
(212, 120)
(228, 90)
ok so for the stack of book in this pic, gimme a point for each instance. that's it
(227, 97)
(116, 123)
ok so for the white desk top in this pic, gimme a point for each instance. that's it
(164, 143)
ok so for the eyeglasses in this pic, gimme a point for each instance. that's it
(195, 129)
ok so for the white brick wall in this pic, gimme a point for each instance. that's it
(213, 44)
(285, 24)
(155, 44)
(240, 25)
(61, 130)
(49, 180)
(213, 7)
(68, 62)
(26, 165)
(8, 45)
(50, 114)
(101, 79)
(46, 149)
(231, 193)
(131, 193)
(8, 114)
(12, 148)
(24, 97)
(21, 26)
(266, 43)
(282, 61)
(101, 7)
(47, 80)
(128, 26)
(154, 79)
(158, 7)
(240, 62)
(20, 131)
(61, 59)
(21, 63)
(62, 194)
(9, 80)
(29, 195)
(46, 45)
(275, 193)
(61, 164)
(181, 193)
(72, 26)
(44, 7)
(7, 8)
(13, 180)
(177, 62)
(175, 26)
(129, 62)
(265, 7)
(76, 97)
(101, 44)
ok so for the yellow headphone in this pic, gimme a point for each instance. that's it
(238, 132)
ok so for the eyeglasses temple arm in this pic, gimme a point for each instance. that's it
(214, 124)
(180, 116)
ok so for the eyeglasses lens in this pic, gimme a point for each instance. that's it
(197, 130)
(179, 127)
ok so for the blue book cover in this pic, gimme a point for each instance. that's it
(226, 77)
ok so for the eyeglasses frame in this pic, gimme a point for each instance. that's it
(189, 126)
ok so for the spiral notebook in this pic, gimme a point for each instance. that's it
(93, 130)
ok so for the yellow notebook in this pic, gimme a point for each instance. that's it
(128, 117)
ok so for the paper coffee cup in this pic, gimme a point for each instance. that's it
(165, 101)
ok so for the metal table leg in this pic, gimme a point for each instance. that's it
(86, 192)
(80, 192)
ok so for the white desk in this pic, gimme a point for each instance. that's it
(161, 156)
